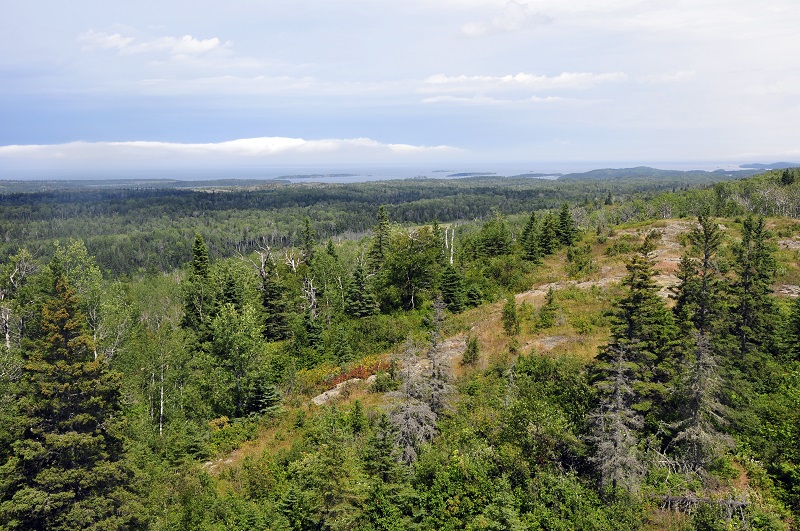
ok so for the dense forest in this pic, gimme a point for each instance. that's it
(601, 351)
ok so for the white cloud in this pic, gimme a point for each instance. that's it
(488, 101)
(265, 149)
(93, 40)
(177, 46)
(514, 16)
(565, 80)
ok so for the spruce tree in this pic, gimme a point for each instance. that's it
(494, 238)
(307, 241)
(198, 292)
(200, 262)
(380, 242)
(700, 294)
(698, 437)
(566, 231)
(530, 240)
(754, 309)
(274, 305)
(644, 329)
(358, 298)
(509, 317)
(67, 469)
(547, 240)
(451, 284)
(616, 424)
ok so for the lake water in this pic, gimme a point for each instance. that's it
(341, 173)
(544, 170)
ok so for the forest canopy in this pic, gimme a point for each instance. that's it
(594, 352)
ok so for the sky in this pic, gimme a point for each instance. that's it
(109, 86)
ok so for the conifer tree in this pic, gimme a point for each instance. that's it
(198, 293)
(699, 308)
(494, 238)
(530, 240)
(700, 295)
(509, 318)
(566, 231)
(359, 300)
(754, 310)
(67, 469)
(200, 262)
(438, 386)
(644, 330)
(642, 320)
(273, 303)
(616, 423)
(698, 437)
(307, 241)
(412, 418)
(547, 238)
(452, 287)
(380, 242)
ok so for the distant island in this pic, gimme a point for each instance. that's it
(471, 174)
(317, 175)
(773, 166)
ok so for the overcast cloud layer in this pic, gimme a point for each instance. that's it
(98, 84)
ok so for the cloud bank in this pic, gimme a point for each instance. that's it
(240, 152)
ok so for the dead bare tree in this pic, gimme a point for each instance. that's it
(615, 424)
(698, 438)
(412, 417)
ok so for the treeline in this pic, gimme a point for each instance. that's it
(146, 230)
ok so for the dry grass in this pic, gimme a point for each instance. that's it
(580, 327)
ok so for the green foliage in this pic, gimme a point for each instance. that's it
(210, 357)
(494, 238)
(579, 260)
(509, 317)
(410, 268)
(67, 469)
(566, 231)
(384, 383)
(451, 284)
(471, 353)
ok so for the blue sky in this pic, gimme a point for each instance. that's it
(106, 85)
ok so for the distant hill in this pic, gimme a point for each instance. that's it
(773, 166)
(647, 173)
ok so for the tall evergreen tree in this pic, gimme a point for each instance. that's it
(530, 240)
(200, 262)
(700, 308)
(198, 291)
(547, 240)
(494, 238)
(566, 231)
(274, 305)
(700, 296)
(754, 309)
(644, 329)
(380, 242)
(359, 300)
(67, 469)
(451, 284)
(307, 241)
